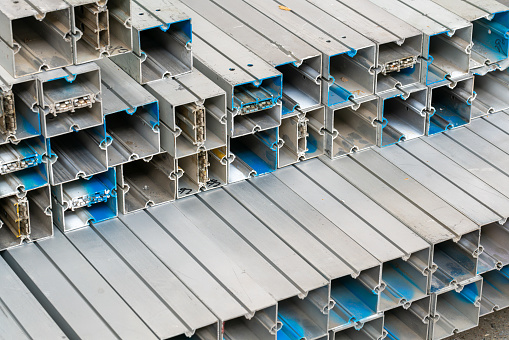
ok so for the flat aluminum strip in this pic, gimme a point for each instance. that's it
(22, 316)
(493, 131)
(289, 230)
(382, 222)
(472, 10)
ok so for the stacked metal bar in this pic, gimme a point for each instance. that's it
(397, 230)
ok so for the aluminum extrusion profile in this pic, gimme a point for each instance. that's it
(348, 62)
(25, 219)
(495, 291)
(131, 116)
(456, 310)
(22, 308)
(70, 99)
(447, 39)
(410, 323)
(193, 110)
(299, 62)
(263, 326)
(77, 155)
(372, 329)
(146, 182)
(253, 154)
(19, 115)
(490, 30)
(83, 201)
(451, 104)
(303, 134)
(100, 29)
(162, 37)
(402, 114)
(36, 36)
(398, 44)
(490, 89)
(352, 127)
(494, 237)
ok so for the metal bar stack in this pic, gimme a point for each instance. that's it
(137, 128)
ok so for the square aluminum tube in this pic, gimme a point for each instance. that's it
(241, 124)
(78, 155)
(451, 102)
(263, 326)
(352, 127)
(402, 113)
(81, 202)
(490, 21)
(70, 99)
(162, 39)
(305, 317)
(447, 38)
(455, 262)
(299, 62)
(100, 29)
(23, 166)
(201, 171)
(409, 323)
(192, 112)
(25, 219)
(356, 299)
(19, 114)
(35, 36)
(348, 58)
(370, 329)
(398, 44)
(406, 280)
(303, 134)
(249, 82)
(146, 182)
(253, 155)
(456, 311)
(495, 291)
(491, 90)
(494, 240)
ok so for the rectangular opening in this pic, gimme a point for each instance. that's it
(455, 261)
(356, 128)
(495, 291)
(43, 44)
(491, 89)
(294, 132)
(25, 219)
(78, 203)
(195, 173)
(104, 30)
(491, 42)
(71, 106)
(406, 281)
(356, 298)
(315, 141)
(256, 121)
(206, 333)
(449, 55)
(24, 155)
(19, 117)
(369, 330)
(453, 106)
(494, 241)
(255, 155)
(23, 180)
(408, 323)
(301, 85)
(400, 63)
(144, 183)
(353, 76)
(457, 311)
(134, 135)
(218, 167)
(263, 326)
(404, 119)
(304, 318)
(167, 51)
(79, 154)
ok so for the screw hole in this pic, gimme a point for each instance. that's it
(327, 41)
(158, 10)
(249, 65)
(343, 37)
(232, 69)
(16, 2)
(140, 13)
